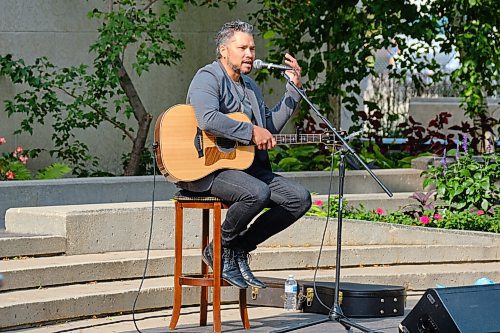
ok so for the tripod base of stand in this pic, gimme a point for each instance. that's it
(292, 328)
(346, 322)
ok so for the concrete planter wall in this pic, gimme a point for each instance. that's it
(76, 191)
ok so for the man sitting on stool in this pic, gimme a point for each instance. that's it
(216, 90)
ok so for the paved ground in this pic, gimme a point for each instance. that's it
(262, 320)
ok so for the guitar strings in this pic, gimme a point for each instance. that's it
(284, 138)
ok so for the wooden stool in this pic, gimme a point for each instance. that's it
(185, 199)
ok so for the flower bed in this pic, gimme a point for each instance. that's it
(462, 193)
(13, 166)
(477, 220)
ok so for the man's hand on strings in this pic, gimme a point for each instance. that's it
(262, 138)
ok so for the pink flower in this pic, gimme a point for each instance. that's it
(18, 151)
(425, 219)
(23, 159)
(480, 212)
(10, 175)
(379, 211)
(318, 202)
(2, 140)
(437, 217)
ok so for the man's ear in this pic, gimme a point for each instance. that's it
(223, 50)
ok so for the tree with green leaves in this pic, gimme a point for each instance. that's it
(336, 41)
(471, 27)
(133, 36)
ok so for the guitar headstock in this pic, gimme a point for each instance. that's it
(328, 138)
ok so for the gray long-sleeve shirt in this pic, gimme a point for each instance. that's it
(213, 94)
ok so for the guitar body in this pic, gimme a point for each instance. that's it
(185, 153)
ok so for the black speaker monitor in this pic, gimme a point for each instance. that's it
(474, 309)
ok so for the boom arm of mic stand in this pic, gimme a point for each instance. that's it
(340, 138)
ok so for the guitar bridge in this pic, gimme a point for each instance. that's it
(198, 142)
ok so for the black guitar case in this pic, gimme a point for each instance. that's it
(357, 300)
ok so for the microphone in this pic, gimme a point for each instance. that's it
(258, 64)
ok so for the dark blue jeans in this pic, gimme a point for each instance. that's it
(249, 192)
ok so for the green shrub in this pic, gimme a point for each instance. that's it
(467, 183)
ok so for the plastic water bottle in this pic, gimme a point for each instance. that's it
(290, 294)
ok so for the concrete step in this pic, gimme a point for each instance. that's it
(101, 228)
(64, 270)
(81, 300)
(27, 307)
(412, 277)
(20, 244)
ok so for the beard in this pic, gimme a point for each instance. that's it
(237, 68)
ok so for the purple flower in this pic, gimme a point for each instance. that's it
(457, 152)
(465, 144)
(444, 162)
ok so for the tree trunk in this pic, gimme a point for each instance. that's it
(334, 101)
(143, 120)
(335, 116)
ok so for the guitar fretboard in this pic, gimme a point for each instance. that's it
(294, 138)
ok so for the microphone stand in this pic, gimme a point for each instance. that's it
(336, 311)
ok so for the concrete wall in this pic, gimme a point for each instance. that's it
(60, 30)
(424, 110)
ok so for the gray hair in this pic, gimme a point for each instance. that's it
(227, 31)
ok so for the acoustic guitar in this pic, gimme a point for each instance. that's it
(186, 153)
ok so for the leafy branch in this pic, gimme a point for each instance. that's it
(85, 96)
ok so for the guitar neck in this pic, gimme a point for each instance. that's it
(285, 139)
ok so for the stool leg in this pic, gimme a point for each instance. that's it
(217, 266)
(243, 309)
(176, 310)
(204, 268)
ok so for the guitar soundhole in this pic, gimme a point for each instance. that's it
(225, 145)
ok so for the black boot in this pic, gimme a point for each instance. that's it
(230, 270)
(241, 257)
(208, 255)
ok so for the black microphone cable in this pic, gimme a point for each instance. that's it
(154, 146)
(324, 231)
(134, 319)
